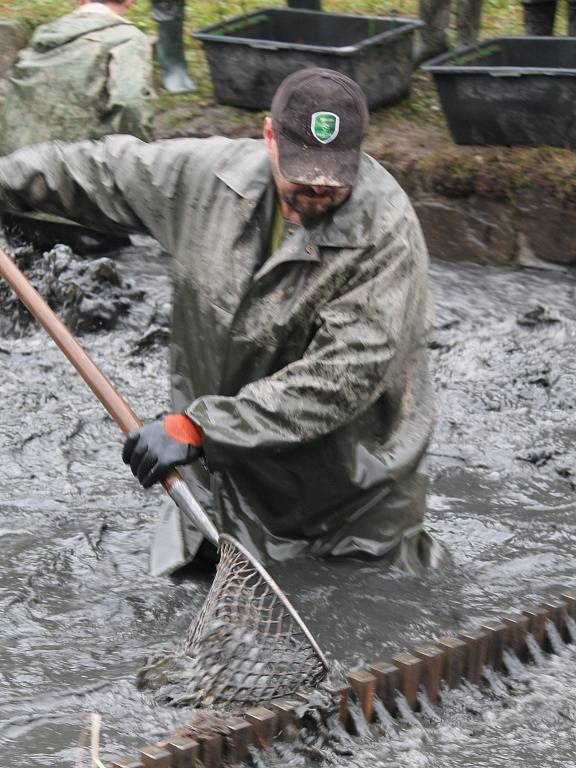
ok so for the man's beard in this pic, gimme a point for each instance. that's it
(309, 215)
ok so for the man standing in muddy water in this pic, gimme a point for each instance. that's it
(299, 371)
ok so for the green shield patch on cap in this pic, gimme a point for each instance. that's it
(325, 126)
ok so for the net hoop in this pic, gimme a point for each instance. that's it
(279, 593)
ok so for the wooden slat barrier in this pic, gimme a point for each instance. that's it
(286, 710)
(210, 742)
(388, 676)
(433, 660)
(341, 696)
(155, 757)
(410, 667)
(185, 752)
(516, 632)
(477, 654)
(238, 741)
(570, 596)
(364, 685)
(497, 633)
(265, 725)
(456, 651)
(557, 611)
(537, 624)
(211, 749)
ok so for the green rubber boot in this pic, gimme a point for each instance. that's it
(170, 50)
(571, 18)
(539, 17)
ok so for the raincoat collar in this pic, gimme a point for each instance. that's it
(95, 8)
(250, 174)
(295, 248)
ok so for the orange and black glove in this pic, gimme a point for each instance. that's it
(154, 449)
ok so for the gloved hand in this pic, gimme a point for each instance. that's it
(154, 449)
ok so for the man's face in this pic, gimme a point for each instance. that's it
(308, 204)
(311, 203)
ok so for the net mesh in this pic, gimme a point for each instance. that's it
(248, 643)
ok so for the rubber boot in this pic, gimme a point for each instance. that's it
(539, 18)
(170, 50)
(572, 18)
(468, 18)
(308, 5)
(433, 37)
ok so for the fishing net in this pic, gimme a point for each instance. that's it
(248, 643)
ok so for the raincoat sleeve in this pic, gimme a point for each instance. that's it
(365, 341)
(129, 108)
(119, 183)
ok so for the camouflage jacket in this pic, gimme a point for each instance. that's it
(83, 76)
(305, 368)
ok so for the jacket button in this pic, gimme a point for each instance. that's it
(310, 249)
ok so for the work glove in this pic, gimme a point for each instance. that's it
(154, 449)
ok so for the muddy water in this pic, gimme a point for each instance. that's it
(81, 614)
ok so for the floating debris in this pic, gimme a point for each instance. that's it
(88, 294)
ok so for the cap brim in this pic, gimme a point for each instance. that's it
(317, 166)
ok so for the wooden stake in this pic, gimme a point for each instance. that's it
(364, 685)
(388, 676)
(433, 659)
(410, 672)
(456, 652)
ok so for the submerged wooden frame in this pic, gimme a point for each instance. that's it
(449, 661)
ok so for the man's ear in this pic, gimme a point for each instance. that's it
(268, 133)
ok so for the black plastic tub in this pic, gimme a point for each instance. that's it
(510, 90)
(250, 55)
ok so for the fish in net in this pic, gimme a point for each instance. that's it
(247, 645)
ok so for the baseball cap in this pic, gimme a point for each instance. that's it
(319, 117)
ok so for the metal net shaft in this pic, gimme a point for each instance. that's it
(249, 644)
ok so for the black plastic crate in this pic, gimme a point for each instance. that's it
(250, 55)
(510, 90)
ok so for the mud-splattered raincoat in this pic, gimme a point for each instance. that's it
(83, 76)
(306, 367)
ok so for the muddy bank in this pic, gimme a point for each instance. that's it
(82, 614)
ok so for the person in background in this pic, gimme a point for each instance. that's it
(540, 15)
(435, 14)
(169, 18)
(85, 75)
